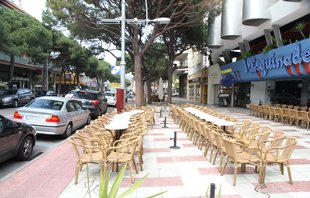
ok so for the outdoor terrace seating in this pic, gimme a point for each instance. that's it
(244, 143)
(293, 115)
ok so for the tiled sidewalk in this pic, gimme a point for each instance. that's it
(185, 172)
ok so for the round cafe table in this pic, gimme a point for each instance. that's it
(118, 128)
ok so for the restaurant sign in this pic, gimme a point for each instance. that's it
(290, 61)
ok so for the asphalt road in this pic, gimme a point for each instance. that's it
(43, 144)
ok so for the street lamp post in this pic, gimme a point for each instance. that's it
(123, 63)
(123, 20)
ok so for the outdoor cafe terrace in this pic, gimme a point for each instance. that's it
(189, 170)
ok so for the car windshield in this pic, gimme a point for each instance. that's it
(9, 92)
(109, 94)
(45, 104)
(85, 95)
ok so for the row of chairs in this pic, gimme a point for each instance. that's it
(95, 144)
(244, 143)
(283, 115)
(302, 108)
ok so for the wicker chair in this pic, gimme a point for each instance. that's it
(246, 156)
(123, 152)
(88, 151)
(279, 151)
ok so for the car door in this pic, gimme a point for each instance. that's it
(27, 95)
(82, 117)
(73, 113)
(8, 139)
(21, 96)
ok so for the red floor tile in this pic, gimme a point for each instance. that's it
(285, 187)
(299, 161)
(164, 159)
(155, 134)
(189, 145)
(156, 150)
(301, 147)
(181, 159)
(228, 171)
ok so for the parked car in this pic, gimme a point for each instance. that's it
(15, 97)
(54, 115)
(16, 139)
(94, 101)
(176, 94)
(71, 93)
(111, 97)
(45, 93)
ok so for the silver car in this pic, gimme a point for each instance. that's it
(53, 115)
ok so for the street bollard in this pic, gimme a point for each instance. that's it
(212, 190)
(160, 113)
(174, 141)
(165, 123)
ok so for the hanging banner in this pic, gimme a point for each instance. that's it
(116, 70)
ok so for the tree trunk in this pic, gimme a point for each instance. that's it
(45, 77)
(59, 83)
(169, 89)
(11, 74)
(138, 80)
(149, 90)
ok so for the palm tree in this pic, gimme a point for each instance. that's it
(299, 28)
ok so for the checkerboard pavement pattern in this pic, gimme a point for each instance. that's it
(186, 173)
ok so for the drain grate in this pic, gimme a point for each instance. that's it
(34, 156)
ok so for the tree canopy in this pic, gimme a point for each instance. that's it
(86, 20)
(22, 34)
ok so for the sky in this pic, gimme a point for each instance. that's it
(35, 8)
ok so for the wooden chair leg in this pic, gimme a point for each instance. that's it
(224, 167)
(281, 169)
(211, 155)
(206, 150)
(289, 174)
(214, 159)
(235, 174)
(135, 165)
(130, 171)
(221, 163)
(77, 171)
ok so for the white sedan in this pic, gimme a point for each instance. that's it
(111, 97)
(53, 115)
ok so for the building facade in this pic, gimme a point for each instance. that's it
(263, 50)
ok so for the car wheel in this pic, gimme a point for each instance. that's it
(99, 113)
(15, 103)
(68, 131)
(88, 120)
(26, 148)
